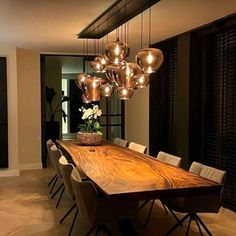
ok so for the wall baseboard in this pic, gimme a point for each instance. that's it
(8, 173)
(31, 166)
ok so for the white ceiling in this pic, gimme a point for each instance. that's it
(52, 25)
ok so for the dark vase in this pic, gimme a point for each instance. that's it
(52, 130)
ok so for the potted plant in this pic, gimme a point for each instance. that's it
(52, 126)
(90, 132)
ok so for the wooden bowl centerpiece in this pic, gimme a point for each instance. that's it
(89, 138)
(90, 132)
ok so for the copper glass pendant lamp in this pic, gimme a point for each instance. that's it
(149, 59)
(117, 51)
(124, 93)
(106, 90)
(80, 79)
(127, 76)
(141, 78)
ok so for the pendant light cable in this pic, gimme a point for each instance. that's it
(141, 41)
(87, 56)
(107, 33)
(117, 32)
(150, 17)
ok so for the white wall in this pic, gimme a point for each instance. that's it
(137, 108)
(24, 109)
(13, 154)
(29, 108)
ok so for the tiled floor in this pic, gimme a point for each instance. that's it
(25, 209)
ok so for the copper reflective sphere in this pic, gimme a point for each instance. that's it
(117, 51)
(124, 93)
(84, 99)
(104, 60)
(98, 65)
(112, 72)
(106, 90)
(125, 76)
(91, 88)
(149, 59)
(141, 80)
(79, 79)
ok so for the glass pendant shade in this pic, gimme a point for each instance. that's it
(112, 72)
(141, 80)
(125, 76)
(106, 90)
(104, 60)
(117, 51)
(149, 59)
(79, 80)
(97, 65)
(84, 99)
(124, 93)
(92, 89)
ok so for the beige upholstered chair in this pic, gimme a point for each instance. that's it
(121, 142)
(174, 161)
(169, 159)
(55, 154)
(200, 203)
(95, 210)
(66, 169)
(195, 168)
(53, 181)
(137, 147)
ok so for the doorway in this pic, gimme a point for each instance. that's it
(58, 73)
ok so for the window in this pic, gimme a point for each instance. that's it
(112, 120)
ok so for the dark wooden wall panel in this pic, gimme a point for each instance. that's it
(3, 113)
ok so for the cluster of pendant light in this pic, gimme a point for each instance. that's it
(125, 76)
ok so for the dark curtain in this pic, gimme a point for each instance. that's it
(162, 101)
(218, 92)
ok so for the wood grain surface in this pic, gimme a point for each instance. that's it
(119, 171)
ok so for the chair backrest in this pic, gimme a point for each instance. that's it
(121, 142)
(168, 158)
(49, 144)
(201, 203)
(55, 155)
(208, 172)
(66, 169)
(85, 196)
(195, 168)
(137, 147)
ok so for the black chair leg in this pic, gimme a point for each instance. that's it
(149, 214)
(53, 185)
(199, 227)
(175, 216)
(67, 213)
(143, 205)
(90, 231)
(203, 225)
(53, 178)
(58, 189)
(189, 223)
(73, 222)
(59, 199)
(165, 208)
(177, 225)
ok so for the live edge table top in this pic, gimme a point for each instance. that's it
(120, 172)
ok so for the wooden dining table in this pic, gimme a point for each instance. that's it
(122, 173)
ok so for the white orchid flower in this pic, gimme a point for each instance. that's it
(87, 114)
